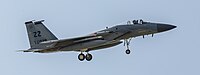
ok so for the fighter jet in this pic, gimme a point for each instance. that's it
(43, 40)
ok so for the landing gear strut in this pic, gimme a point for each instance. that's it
(126, 43)
(82, 57)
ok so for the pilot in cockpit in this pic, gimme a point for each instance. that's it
(135, 21)
(141, 21)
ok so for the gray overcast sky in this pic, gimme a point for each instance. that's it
(175, 52)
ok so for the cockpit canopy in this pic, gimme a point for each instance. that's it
(136, 22)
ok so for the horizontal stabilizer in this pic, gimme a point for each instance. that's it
(29, 50)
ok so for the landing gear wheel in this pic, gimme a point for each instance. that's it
(128, 51)
(81, 57)
(88, 57)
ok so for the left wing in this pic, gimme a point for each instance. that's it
(73, 41)
(57, 44)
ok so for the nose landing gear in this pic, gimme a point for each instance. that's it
(126, 43)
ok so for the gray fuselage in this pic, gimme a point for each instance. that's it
(117, 33)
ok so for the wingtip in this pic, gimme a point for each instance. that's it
(19, 51)
(23, 51)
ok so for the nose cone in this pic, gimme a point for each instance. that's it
(164, 27)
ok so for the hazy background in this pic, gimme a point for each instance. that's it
(174, 52)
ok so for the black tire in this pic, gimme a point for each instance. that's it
(128, 51)
(81, 57)
(88, 57)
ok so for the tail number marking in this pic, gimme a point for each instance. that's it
(37, 34)
(38, 41)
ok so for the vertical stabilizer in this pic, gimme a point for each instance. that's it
(37, 33)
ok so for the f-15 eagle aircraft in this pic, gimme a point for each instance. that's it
(43, 41)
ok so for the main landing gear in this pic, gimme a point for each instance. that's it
(82, 57)
(127, 43)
